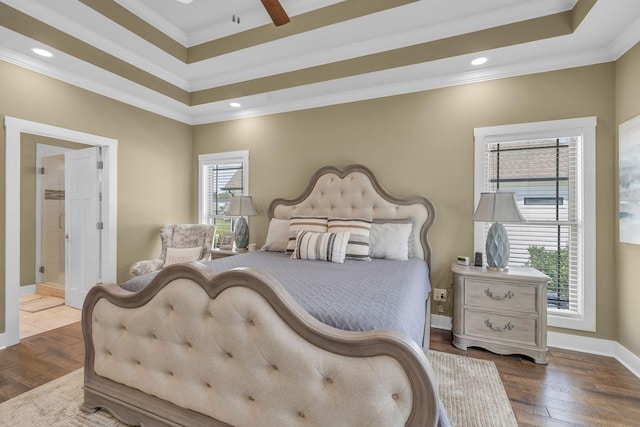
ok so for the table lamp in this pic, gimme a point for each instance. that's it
(497, 208)
(241, 206)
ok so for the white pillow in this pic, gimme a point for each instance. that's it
(390, 241)
(181, 255)
(277, 236)
(321, 246)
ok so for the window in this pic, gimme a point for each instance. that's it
(550, 166)
(221, 176)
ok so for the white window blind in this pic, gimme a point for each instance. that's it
(550, 166)
(221, 176)
(544, 174)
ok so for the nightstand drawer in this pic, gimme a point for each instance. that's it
(493, 326)
(501, 296)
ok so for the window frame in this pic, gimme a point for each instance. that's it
(241, 156)
(585, 127)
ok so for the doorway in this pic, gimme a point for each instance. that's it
(14, 129)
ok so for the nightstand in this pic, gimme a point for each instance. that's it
(223, 253)
(502, 311)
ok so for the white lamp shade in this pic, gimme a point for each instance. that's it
(498, 207)
(241, 206)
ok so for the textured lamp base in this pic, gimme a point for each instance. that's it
(242, 233)
(497, 247)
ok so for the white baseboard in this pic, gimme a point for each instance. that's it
(439, 321)
(579, 343)
(596, 346)
(27, 290)
(24, 290)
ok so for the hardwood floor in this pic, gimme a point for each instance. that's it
(575, 389)
(39, 359)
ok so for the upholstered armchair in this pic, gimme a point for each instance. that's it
(180, 243)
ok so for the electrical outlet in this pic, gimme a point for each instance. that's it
(440, 294)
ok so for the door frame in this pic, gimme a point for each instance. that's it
(13, 128)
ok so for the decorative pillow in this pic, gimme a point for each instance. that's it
(379, 221)
(306, 223)
(277, 236)
(180, 255)
(321, 246)
(390, 241)
(359, 230)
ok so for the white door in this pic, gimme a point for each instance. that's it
(82, 224)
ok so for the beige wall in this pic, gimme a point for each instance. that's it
(422, 144)
(419, 143)
(154, 157)
(628, 268)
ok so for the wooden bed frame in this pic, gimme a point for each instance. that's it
(235, 349)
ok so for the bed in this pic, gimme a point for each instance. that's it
(240, 341)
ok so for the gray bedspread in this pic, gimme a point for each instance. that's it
(354, 296)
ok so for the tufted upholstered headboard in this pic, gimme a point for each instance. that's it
(354, 192)
(235, 349)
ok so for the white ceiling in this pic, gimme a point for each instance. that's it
(609, 30)
(204, 20)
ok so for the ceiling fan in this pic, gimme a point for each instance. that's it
(273, 7)
(276, 12)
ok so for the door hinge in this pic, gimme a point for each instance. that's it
(100, 225)
(100, 196)
(41, 171)
(100, 164)
(41, 269)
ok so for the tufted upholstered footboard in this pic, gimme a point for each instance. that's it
(195, 348)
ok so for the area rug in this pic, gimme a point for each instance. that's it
(470, 389)
(42, 303)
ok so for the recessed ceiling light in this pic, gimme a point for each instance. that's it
(479, 61)
(185, 1)
(42, 52)
(235, 104)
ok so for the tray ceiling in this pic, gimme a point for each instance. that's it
(190, 61)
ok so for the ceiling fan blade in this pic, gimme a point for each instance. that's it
(276, 12)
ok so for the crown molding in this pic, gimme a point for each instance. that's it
(158, 64)
(117, 87)
(628, 39)
(403, 80)
(573, 50)
(155, 19)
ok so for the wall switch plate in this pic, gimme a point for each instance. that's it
(440, 294)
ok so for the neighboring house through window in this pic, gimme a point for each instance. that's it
(221, 176)
(550, 166)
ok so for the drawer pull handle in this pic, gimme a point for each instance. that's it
(509, 326)
(490, 294)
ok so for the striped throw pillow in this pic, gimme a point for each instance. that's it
(307, 223)
(359, 230)
(321, 246)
